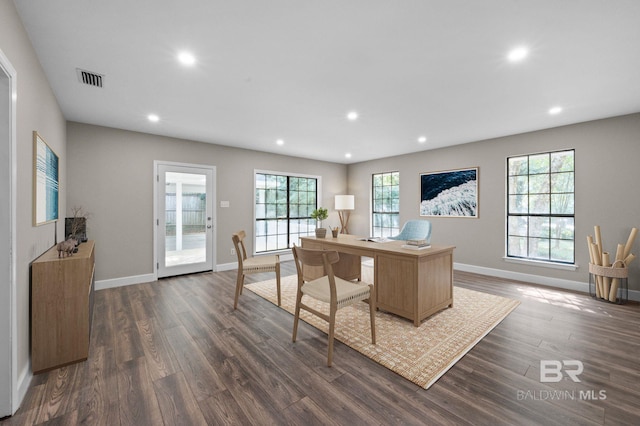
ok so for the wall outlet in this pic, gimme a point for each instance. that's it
(232, 252)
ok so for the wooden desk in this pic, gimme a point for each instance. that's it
(413, 284)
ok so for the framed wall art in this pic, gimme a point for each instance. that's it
(452, 193)
(45, 182)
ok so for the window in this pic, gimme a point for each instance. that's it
(283, 207)
(386, 204)
(540, 207)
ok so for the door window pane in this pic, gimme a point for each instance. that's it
(185, 218)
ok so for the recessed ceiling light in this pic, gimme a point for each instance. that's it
(518, 54)
(186, 58)
(352, 116)
(280, 142)
(422, 139)
(555, 110)
(153, 118)
(348, 155)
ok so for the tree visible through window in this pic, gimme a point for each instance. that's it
(386, 204)
(283, 207)
(540, 207)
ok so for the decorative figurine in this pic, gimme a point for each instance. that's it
(67, 247)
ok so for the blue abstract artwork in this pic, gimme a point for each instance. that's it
(451, 193)
(45, 182)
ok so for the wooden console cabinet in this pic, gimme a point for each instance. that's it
(61, 307)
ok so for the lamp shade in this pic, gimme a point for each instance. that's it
(345, 202)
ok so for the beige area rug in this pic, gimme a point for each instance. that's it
(420, 354)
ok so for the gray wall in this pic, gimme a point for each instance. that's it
(607, 172)
(111, 171)
(37, 109)
(111, 176)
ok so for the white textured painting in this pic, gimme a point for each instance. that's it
(451, 193)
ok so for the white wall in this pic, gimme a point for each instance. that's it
(606, 160)
(37, 109)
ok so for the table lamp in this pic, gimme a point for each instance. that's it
(344, 203)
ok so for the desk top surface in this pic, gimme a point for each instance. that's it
(390, 246)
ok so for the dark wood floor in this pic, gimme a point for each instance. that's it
(175, 352)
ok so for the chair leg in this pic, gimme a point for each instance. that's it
(372, 313)
(239, 285)
(278, 282)
(332, 326)
(296, 316)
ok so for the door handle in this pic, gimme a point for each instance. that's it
(209, 226)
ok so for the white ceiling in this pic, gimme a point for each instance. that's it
(292, 69)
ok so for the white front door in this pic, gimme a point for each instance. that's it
(184, 218)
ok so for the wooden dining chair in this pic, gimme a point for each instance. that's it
(329, 289)
(253, 265)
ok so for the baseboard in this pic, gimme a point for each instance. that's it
(146, 278)
(24, 381)
(518, 276)
(535, 279)
(124, 281)
(226, 266)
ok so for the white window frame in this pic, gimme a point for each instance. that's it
(557, 264)
(392, 230)
(288, 174)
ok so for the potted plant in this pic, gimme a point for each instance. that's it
(319, 215)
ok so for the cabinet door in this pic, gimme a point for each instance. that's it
(395, 284)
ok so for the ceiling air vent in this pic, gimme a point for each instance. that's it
(90, 78)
